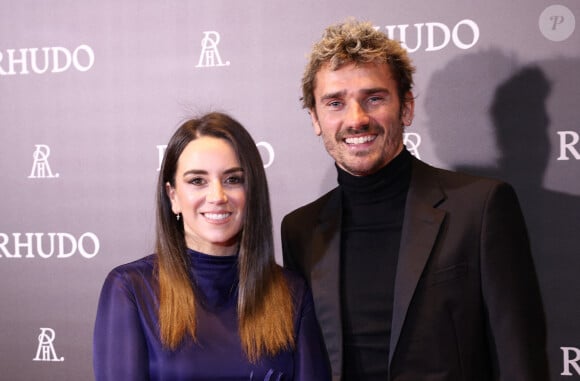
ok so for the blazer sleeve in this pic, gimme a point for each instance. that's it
(511, 292)
(287, 257)
(293, 245)
(119, 345)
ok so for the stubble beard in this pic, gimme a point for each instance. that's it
(391, 147)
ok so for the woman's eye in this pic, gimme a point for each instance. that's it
(197, 181)
(234, 180)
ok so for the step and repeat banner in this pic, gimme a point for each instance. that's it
(90, 93)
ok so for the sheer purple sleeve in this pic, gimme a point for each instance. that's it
(119, 345)
(311, 361)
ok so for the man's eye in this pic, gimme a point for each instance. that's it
(334, 104)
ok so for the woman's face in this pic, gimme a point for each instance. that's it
(210, 195)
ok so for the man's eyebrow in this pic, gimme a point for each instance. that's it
(375, 90)
(336, 94)
(341, 93)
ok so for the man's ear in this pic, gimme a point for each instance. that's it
(408, 111)
(315, 123)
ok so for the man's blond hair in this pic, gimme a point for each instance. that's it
(356, 42)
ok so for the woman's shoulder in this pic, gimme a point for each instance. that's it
(295, 280)
(138, 269)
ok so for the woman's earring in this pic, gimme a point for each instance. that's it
(178, 216)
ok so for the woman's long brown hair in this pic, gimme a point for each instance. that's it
(265, 305)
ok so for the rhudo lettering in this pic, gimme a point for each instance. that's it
(49, 59)
(267, 152)
(571, 357)
(568, 142)
(48, 245)
(436, 35)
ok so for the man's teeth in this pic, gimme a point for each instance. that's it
(360, 140)
(216, 216)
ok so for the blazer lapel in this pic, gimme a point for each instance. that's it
(325, 273)
(420, 228)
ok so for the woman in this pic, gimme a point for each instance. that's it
(211, 303)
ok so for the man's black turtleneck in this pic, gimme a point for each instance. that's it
(372, 218)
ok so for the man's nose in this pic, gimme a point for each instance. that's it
(357, 117)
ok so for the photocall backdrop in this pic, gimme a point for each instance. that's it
(90, 93)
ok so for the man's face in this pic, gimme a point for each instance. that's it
(358, 114)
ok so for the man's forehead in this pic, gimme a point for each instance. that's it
(334, 66)
(374, 71)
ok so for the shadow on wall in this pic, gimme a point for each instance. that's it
(490, 116)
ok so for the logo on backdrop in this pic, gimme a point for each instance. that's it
(267, 158)
(210, 55)
(45, 350)
(267, 147)
(412, 141)
(571, 361)
(435, 35)
(557, 23)
(40, 167)
(48, 245)
(55, 59)
(569, 145)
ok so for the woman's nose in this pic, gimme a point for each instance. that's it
(217, 194)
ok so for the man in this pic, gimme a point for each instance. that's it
(417, 273)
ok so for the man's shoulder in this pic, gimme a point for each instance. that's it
(423, 171)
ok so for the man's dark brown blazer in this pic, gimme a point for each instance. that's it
(466, 305)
